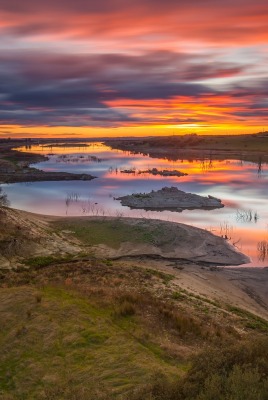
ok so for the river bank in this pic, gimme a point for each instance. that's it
(194, 256)
(15, 167)
(253, 148)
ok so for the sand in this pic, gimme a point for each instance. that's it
(242, 287)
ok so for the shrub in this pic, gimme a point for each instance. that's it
(125, 309)
(233, 373)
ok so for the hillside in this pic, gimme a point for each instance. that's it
(80, 325)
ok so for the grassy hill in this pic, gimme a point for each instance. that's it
(101, 330)
(78, 326)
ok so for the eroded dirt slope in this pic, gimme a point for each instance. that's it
(23, 235)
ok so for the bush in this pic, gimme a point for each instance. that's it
(232, 373)
(125, 309)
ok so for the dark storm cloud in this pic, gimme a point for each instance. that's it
(257, 113)
(257, 87)
(164, 64)
(41, 88)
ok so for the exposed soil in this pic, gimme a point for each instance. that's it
(23, 235)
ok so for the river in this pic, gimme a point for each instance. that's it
(242, 187)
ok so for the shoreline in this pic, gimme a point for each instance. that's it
(242, 286)
(251, 147)
(15, 167)
(239, 286)
(49, 237)
(153, 238)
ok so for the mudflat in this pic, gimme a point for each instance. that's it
(110, 237)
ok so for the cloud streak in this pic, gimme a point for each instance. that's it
(124, 63)
(210, 20)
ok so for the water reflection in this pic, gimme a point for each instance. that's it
(260, 167)
(247, 216)
(241, 185)
(74, 159)
(262, 248)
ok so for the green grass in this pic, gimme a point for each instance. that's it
(95, 331)
(110, 232)
(51, 336)
(45, 261)
(178, 295)
(40, 261)
(252, 321)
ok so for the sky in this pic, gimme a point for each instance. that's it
(133, 67)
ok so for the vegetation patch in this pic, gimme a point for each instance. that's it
(65, 338)
(44, 261)
(112, 232)
(90, 329)
(252, 321)
(166, 278)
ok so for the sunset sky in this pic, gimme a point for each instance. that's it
(133, 67)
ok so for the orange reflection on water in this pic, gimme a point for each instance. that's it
(236, 183)
(69, 149)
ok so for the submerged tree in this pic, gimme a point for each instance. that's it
(3, 198)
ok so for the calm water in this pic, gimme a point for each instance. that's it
(242, 186)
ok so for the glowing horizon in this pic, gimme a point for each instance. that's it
(123, 68)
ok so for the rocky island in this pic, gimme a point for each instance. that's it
(164, 172)
(171, 199)
(154, 171)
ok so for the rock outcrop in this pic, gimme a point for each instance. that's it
(170, 199)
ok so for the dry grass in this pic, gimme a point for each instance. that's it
(85, 329)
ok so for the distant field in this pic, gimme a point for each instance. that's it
(244, 147)
(240, 142)
(220, 142)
